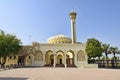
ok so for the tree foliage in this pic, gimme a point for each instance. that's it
(93, 48)
(114, 50)
(9, 45)
(105, 49)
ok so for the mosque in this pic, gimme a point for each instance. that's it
(59, 51)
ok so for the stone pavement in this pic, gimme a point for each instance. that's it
(60, 74)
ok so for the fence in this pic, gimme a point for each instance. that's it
(106, 63)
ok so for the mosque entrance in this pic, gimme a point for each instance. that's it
(49, 59)
(52, 61)
(70, 59)
(60, 61)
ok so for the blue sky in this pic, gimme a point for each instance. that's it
(37, 20)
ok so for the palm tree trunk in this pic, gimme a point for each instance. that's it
(98, 58)
(106, 55)
(114, 55)
(114, 59)
(106, 59)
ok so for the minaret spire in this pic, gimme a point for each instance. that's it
(72, 16)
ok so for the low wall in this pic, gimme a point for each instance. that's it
(84, 64)
(37, 63)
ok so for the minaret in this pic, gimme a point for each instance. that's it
(72, 16)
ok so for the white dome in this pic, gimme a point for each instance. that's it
(59, 39)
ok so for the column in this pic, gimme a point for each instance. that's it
(43, 58)
(54, 60)
(32, 60)
(65, 60)
(75, 57)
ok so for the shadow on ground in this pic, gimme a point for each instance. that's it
(12, 78)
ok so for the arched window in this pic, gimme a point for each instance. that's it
(80, 56)
(38, 56)
(29, 57)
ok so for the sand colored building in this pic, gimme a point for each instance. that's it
(59, 50)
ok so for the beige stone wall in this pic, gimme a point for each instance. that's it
(42, 54)
(38, 56)
(11, 60)
(81, 56)
(29, 59)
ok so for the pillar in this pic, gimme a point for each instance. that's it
(32, 60)
(44, 59)
(65, 60)
(75, 58)
(54, 60)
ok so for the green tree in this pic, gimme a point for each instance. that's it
(105, 49)
(93, 48)
(9, 45)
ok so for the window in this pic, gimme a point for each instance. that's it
(14, 57)
(10, 57)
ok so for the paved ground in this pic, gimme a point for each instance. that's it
(60, 74)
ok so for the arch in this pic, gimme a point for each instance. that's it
(49, 51)
(29, 59)
(48, 58)
(51, 59)
(60, 51)
(60, 57)
(70, 57)
(81, 56)
(38, 56)
(71, 51)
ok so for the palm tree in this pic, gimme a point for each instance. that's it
(113, 50)
(105, 49)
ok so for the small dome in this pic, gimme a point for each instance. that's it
(59, 39)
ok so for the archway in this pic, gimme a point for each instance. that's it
(29, 59)
(67, 59)
(70, 57)
(49, 57)
(38, 56)
(60, 57)
(52, 59)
